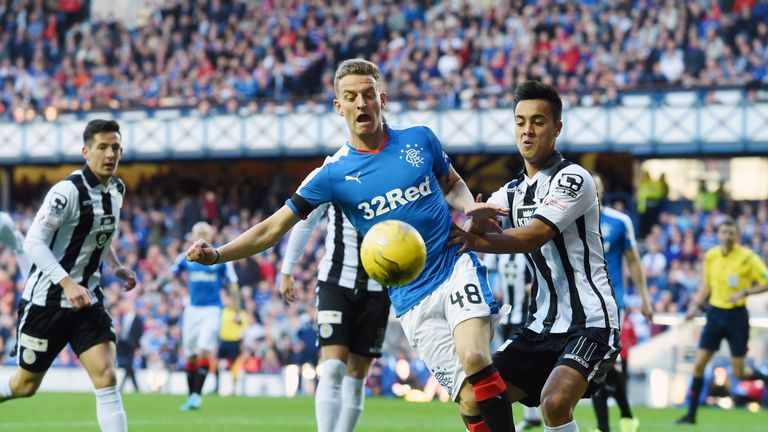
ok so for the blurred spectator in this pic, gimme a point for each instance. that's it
(216, 57)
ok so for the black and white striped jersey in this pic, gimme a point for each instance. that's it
(511, 278)
(70, 236)
(341, 263)
(570, 284)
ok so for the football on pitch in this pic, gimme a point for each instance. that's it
(393, 253)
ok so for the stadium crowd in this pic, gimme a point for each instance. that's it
(159, 212)
(227, 55)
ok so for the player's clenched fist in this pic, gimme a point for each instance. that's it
(77, 295)
(202, 252)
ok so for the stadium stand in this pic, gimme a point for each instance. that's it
(224, 55)
(261, 57)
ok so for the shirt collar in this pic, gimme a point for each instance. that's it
(555, 158)
(90, 177)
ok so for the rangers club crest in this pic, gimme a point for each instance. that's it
(412, 154)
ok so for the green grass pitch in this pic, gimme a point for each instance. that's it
(160, 413)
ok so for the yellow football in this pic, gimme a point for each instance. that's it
(393, 253)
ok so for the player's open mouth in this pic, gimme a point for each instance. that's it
(109, 166)
(363, 118)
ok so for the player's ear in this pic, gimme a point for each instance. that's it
(558, 127)
(337, 106)
(383, 98)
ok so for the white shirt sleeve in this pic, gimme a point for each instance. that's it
(57, 208)
(571, 194)
(231, 273)
(9, 235)
(299, 237)
(501, 198)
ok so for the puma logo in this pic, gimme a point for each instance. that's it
(354, 178)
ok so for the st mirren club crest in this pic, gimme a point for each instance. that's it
(105, 230)
(28, 355)
(412, 155)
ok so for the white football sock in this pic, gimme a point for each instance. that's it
(328, 395)
(352, 400)
(5, 388)
(571, 426)
(109, 410)
(530, 413)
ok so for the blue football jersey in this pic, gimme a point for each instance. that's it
(618, 237)
(397, 181)
(205, 282)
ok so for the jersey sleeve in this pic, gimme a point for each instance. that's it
(440, 162)
(629, 233)
(9, 235)
(501, 198)
(299, 237)
(57, 208)
(229, 273)
(571, 194)
(313, 191)
(179, 265)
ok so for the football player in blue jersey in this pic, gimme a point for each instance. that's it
(202, 315)
(386, 172)
(619, 245)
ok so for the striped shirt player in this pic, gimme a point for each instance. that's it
(352, 315)
(512, 282)
(572, 298)
(71, 235)
(352, 308)
(67, 243)
(571, 335)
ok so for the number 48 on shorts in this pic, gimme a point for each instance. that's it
(470, 293)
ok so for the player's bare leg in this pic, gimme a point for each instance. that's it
(21, 384)
(562, 391)
(471, 340)
(99, 362)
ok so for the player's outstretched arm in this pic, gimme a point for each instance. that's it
(458, 196)
(529, 238)
(258, 238)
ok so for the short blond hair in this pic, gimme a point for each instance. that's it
(202, 231)
(357, 66)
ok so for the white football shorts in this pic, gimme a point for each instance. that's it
(201, 329)
(429, 325)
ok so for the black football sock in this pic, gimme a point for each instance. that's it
(600, 402)
(492, 399)
(695, 393)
